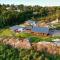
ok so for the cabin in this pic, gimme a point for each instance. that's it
(17, 28)
(40, 30)
(45, 31)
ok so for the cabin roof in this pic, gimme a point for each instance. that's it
(56, 32)
(40, 29)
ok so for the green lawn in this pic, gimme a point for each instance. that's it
(6, 32)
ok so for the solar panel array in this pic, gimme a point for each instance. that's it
(40, 29)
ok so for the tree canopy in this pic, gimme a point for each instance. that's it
(15, 14)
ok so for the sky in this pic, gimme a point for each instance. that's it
(32, 2)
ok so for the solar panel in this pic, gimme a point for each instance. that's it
(40, 29)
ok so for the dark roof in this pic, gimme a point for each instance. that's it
(15, 27)
(40, 29)
(51, 32)
(56, 32)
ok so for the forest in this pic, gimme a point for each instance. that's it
(16, 14)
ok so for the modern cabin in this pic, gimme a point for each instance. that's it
(40, 30)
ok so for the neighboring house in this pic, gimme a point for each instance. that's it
(17, 28)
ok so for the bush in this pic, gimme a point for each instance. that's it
(35, 39)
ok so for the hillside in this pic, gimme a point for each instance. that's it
(29, 32)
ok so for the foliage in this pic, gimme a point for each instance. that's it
(39, 39)
(6, 32)
(9, 53)
(11, 16)
(35, 39)
(23, 35)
